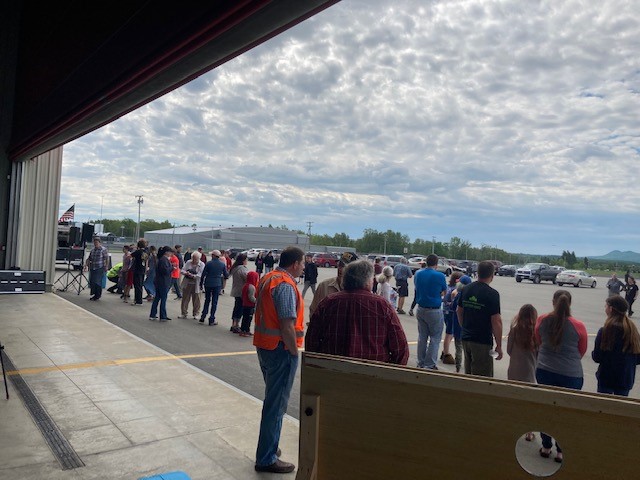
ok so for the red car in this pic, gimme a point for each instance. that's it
(325, 260)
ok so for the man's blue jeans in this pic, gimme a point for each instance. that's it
(278, 370)
(430, 326)
(211, 295)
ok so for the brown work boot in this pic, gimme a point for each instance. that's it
(277, 467)
(448, 359)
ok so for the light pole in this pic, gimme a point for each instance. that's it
(433, 245)
(122, 231)
(385, 244)
(140, 202)
(101, 202)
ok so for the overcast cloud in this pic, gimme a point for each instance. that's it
(507, 123)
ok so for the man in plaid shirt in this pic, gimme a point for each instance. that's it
(97, 264)
(357, 323)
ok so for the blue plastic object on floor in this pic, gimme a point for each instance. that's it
(168, 476)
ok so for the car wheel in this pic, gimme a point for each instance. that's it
(593, 285)
(518, 279)
(553, 281)
(448, 272)
(536, 279)
(327, 265)
(577, 285)
(560, 284)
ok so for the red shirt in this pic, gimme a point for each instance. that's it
(357, 324)
(175, 263)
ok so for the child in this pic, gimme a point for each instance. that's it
(617, 349)
(522, 346)
(385, 289)
(249, 291)
(456, 329)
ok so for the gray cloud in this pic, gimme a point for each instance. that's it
(509, 123)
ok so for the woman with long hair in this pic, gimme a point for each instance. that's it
(238, 274)
(563, 343)
(617, 349)
(522, 346)
(446, 357)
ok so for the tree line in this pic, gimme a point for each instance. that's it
(397, 243)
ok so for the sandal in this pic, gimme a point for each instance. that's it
(530, 437)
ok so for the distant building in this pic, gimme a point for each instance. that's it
(210, 238)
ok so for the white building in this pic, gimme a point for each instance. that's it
(210, 238)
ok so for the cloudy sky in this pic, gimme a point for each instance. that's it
(509, 123)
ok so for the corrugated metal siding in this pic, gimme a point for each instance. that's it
(34, 217)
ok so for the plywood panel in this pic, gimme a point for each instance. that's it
(381, 421)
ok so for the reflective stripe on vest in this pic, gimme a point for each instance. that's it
(267, 332)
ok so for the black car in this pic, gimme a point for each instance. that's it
(233, 252)
(507, 271)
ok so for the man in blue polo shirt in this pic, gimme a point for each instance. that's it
(430, 287)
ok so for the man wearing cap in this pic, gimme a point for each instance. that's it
(331, 285)
(479, 315)
(430, 288)
(212, 277)
(356, 322)
(278, 334)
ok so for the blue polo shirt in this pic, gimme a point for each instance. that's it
(429, 286)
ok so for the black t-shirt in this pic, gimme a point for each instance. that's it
(139, 261)
(480, 302)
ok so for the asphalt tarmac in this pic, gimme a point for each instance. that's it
(232, 358)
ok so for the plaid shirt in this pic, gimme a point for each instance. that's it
(98, 258)
(357, 324)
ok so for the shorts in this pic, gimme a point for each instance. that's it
(448, 323)
(403, 288)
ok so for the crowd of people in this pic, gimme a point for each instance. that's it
(356, 314)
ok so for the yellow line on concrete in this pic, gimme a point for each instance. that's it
(124, 361)
(129, 361)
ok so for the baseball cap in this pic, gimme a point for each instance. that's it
(216, 253)
(348, 257)
(465, 280)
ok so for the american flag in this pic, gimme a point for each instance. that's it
(68, 215)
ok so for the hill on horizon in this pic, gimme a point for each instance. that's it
(617, 255)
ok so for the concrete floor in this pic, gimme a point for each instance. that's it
(127, 408)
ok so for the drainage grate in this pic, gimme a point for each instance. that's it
(60, 446)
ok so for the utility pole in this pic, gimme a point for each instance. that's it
(433, 245)
(140, 202)
(309, 224)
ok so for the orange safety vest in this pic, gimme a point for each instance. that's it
(267, 333)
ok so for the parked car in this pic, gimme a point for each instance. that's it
(507, 271)
(325, 260)
(390, 260)
(444, 266)
(233, 252)
(536, 272)
(252, 253)
(577, 278)
(416, 263)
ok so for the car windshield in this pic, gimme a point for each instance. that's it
(571, 272)
(531, 265)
